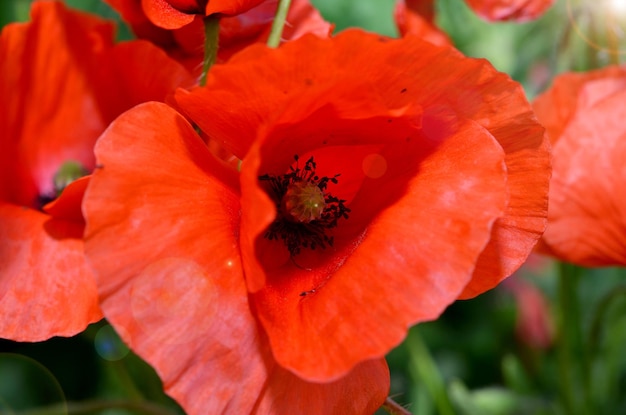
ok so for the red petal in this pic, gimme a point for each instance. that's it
(186, 5)
(304, 18)
(162, 218)
(556, 106)
(46, 287)
(133, 14)
(362, 391)
(127, 81)
(416, 18)
(68, 205)
(231, 7)
(587, 205)
(517, 10)
(166, 16)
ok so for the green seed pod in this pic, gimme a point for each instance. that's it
(303, 202)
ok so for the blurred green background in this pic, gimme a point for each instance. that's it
(485, 367)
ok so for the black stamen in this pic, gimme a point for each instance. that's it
(298, 234)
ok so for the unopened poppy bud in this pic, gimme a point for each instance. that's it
(303, 202)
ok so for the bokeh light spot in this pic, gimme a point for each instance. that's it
(26, 384)
(109, 345)
(374, 166)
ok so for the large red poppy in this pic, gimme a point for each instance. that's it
(517, 10)
(62, 81)
(584, 117)
(236, 32)
(444, 174)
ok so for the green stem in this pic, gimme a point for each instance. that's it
(394, 408)
(123, 378)
(428, 373)
(599, 316)
(211, 43)
(570, 345)
(89, 407)
(564, 354)
(279, 23)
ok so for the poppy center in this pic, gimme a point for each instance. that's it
(306, 211)
(303, 202)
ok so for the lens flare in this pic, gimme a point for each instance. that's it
(617, 6)
(601, 24)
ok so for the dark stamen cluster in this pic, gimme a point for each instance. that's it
(298, 234)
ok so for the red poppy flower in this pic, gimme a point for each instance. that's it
(186, 43)
(374, 188)
(517, 10)
(416, 17)
(583, 114)
(62, 81)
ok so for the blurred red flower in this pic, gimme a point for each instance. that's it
(584, 117)
(517, 10)
(412, 186)
(185, 44)
(416, 16)
(62, 81)
(534, 324)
